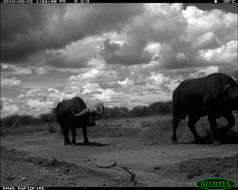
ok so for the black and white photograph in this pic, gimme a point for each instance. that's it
(119, 95)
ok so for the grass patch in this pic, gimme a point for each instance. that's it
(25, 129)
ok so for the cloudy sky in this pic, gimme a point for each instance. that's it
(118, 54)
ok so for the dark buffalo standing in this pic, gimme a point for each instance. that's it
(215, 95)
(72, 114)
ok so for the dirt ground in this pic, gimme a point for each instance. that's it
(41, 159)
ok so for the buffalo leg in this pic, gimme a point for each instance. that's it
(231, 121)
(85, 137)
(191, 124)
(174, 125)
(66, 135)
(73, 129)
(213, 125)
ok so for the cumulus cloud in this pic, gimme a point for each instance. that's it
(53, 90)
(76, 54)
(38, 103)
(120, 54)
(152, 37)
(105, 77)
(13, 109)
(109, 95)
(10, 82)
(207, 41)
(221, 23)
(9, 107)
(127, 54)
(31, 29)
(158, 82)
(223, 55)
(41, 70)
(87, 86)
(155, 24)
(34, 101)
(91, 87)
(125, 35)
(204, 72)
(34, 92)
(21, 96)
(48, 95)
(126, 83)
(14, 70)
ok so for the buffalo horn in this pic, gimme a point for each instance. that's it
(226, 88)
(83, 112)
(99, 113)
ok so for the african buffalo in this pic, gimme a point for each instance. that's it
(215, 95)
(72, 114)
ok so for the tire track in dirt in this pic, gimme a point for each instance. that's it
(18, 169)
(53, 164)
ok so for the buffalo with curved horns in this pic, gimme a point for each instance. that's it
(72, 114)
(215, 95)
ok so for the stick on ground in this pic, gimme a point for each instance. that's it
(132, 174)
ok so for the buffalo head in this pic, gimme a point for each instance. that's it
(91, 113)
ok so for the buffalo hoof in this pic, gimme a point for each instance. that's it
(87, 142)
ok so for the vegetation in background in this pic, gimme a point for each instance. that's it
(120, 121)
(116, 112)
(138, 111)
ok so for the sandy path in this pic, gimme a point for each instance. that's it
(151, 163)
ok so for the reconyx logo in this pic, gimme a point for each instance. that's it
(215, 183)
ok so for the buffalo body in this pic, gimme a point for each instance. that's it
(215, 96)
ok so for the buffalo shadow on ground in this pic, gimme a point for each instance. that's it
(92, 144)
(227, 138)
